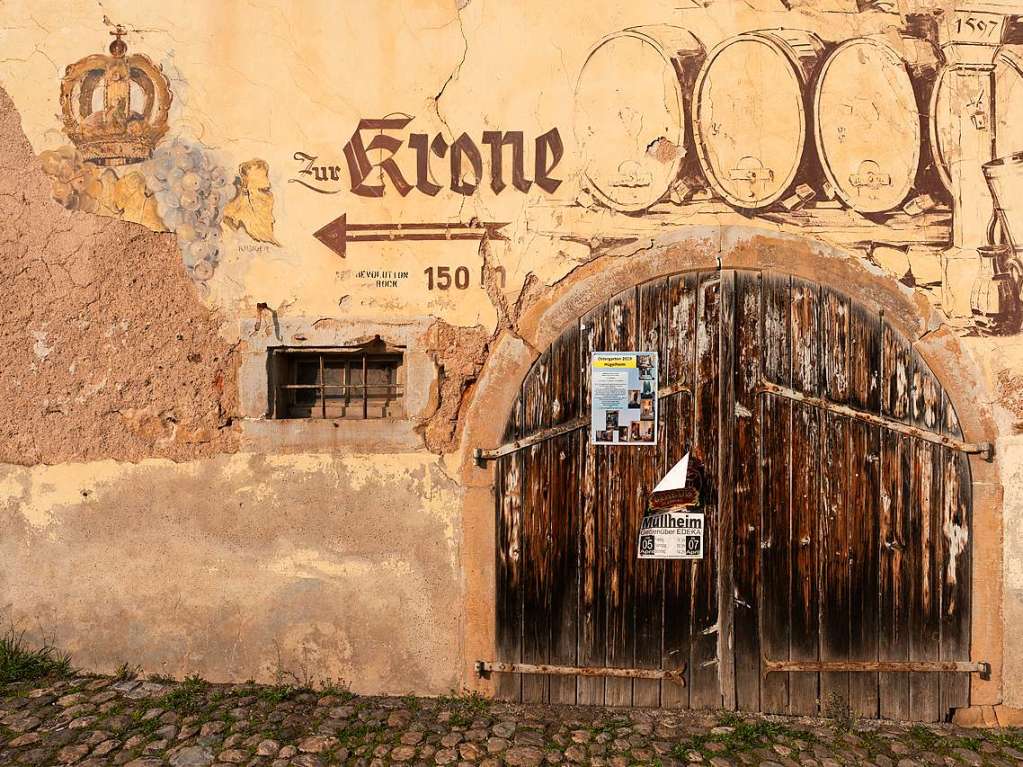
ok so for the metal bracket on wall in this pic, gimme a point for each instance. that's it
(985, 449)
(873, 666)
(481, 455)
(485, 667)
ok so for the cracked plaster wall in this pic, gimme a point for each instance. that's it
(294, 565)
(104, 344)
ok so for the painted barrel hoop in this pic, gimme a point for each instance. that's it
(750, 81)
(631, 106)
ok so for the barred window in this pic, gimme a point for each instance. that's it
(341, 383)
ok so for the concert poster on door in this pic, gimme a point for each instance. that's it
(623, 398)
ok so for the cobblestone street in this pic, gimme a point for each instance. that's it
(92, 721)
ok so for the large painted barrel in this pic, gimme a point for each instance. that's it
(750, 115)
(631, 106)
(867, 126)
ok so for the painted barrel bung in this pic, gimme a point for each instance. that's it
(867, 127)
(750, 115)
(631, 104)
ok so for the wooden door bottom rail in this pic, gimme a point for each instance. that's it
(481, 454)
(825, 666)
(985, 449)
(485, 667)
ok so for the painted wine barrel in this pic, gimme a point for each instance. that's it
(865, 86)
(631, 105)
(749, 114)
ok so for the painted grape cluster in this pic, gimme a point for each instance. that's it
(191, 191)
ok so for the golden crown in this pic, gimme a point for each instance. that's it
(115, 107)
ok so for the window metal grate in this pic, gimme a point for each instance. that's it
(361, 383)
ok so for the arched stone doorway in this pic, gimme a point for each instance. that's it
(597, 281)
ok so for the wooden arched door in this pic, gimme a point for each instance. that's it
(837, 518)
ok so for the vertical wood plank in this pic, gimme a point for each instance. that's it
(833, 514)
(746, 489)
(565, 463)
(621, 498)
(727, 438)
(705, 690)
(508, 637)
(805, 492)
(864, 505)
(925, 609)
(649, 595)
(679, 575)
(536, 522)
(592, 622)
(776, 544)
(896, 463)
(956, 566)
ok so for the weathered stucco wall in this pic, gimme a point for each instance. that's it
(103, 339)
(327, 567)
(340, 567)
(1001, 362)
(150, 512)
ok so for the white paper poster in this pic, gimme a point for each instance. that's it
(667, 533)
(623, 398)
(672, 535)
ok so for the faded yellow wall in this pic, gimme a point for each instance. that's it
(338, 567)
(337, 563)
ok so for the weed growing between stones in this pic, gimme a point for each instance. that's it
(838, 710)
(357, 733)
(1010, 737)
(465, 707)
(609, 727)
(188, 697)
(735, 735)
(127, 672)
(928, 740)
(20, 663)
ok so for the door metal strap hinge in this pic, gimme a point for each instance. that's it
(485, 667)
(985, 449)
(480, 455)
(873, 666)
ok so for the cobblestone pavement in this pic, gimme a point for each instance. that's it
(89, 721)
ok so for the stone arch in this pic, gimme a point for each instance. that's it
(702, 248)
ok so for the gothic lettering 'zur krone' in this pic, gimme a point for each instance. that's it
(465, 161)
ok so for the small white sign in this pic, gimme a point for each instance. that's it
(672, 535)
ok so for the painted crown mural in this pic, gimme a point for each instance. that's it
(115, 107)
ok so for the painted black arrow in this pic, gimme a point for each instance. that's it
(338, 233)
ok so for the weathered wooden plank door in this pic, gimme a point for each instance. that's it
(829, 537)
